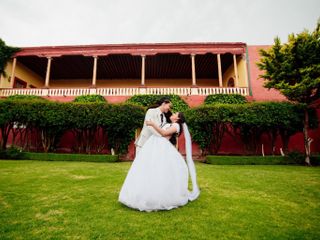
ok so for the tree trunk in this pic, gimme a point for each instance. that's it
(273, 136)
(219, 130)
(285, 138)
(45, 141)
(306, 137)
(5, 131)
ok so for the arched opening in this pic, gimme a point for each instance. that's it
(230, 82)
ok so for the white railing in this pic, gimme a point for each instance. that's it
(183, 91)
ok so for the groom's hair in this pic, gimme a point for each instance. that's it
(160, 101)
(163, 100)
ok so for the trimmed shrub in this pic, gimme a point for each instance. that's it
(26, 98)
(294, 158)
(249, 160)
(12, 153)
(225, 99)
(83, 120)
(209, 123)
(299, 158)
(95, 125)
(94, 98)
(121, 125)
(71, 157)
(149, 100)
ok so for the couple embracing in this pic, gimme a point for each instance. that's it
(158, 177)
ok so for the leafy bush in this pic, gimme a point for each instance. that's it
(225, 99)
(315, 160)
(121, 125)
(71, 157)
(7, 113)
(209, 123)
(6, 53)
(249, 160)
(11, 153)
(98, 124)
(178, 104)
(26, 98)
(296, 157)
(83, 120)
(272, 118)
(95, 125)
(94, 98)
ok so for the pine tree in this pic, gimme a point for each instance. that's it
(293, 68)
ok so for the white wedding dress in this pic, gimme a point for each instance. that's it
(158, 177)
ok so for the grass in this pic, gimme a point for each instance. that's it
(78, 200)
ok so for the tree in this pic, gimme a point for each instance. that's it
(293, 68)
(6, 53)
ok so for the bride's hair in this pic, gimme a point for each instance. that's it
(181, 120)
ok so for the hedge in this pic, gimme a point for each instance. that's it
(95, 98)
(96, 126)
(248, 160)
(247, 122)
(26, 98)
(17, 154)
(148, 100)
(259, 160)
(71, 157)
(225, 99)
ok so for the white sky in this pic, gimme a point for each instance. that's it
(73, 22)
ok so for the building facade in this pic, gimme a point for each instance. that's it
(191, 70)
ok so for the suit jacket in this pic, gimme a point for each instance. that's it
(152, 114)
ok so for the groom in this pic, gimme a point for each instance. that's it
(156, 115)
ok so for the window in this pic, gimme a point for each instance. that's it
(230, 82)
(18, 83)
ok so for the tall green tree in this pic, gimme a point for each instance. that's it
(293, 68)
(6, 52)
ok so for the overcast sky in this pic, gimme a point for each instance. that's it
(72, 22)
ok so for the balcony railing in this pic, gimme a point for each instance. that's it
(64, 92)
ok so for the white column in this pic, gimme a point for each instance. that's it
(48, 72)
(13, 71)
(219, 69)
(94, 74)
(193, 66)
(143, 62)
(235, 65)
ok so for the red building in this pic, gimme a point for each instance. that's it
(191, 70)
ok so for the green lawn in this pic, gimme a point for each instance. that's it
(78, 200)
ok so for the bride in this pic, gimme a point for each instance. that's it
(158, 177)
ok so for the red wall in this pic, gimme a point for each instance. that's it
(229, 145)
(259, 93)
